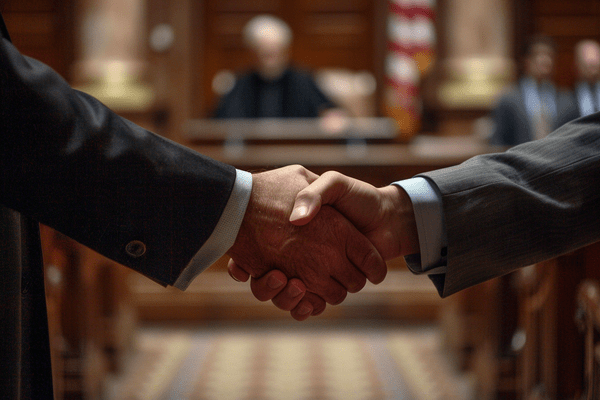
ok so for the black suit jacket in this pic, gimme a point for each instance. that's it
(69, 162)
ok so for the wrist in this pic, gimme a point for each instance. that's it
(401, 216)
(257, 230)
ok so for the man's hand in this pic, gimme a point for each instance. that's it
(329, 255)
(385, 216)
(287, 295)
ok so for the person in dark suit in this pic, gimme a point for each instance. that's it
(478, 220)
(586, 93)
(274, 89)
(150, 204)
(534, 107)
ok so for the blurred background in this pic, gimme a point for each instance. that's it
(378, 90)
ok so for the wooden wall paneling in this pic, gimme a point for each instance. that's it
(42, 29)
(335, 5)
(559, 7)
(244, 6)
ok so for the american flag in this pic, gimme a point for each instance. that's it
(411, 51)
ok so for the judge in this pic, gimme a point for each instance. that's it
(274, 88)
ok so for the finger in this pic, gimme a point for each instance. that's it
(329, 289)
(311, 304)
(352, 279)
(302, 311)
(236, 272)
(327, 189)
(269, 285)
(291, 295)
(317, 303)
(361, 252)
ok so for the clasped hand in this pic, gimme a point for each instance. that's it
(306, 240)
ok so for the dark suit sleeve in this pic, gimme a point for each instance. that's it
(531, 203)
(69, 162)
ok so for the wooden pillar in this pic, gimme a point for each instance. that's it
(476, 61)
(110, 61)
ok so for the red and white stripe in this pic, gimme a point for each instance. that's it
(411, 42)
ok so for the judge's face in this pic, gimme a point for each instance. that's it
(272, 58)
(540, 62)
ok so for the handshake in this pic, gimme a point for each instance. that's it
(307, 240)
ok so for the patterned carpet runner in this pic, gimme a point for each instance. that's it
(289, 364)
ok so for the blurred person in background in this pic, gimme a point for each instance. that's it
(534, 106)
(586, 93)
(273, 88)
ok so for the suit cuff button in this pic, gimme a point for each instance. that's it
(135, 249)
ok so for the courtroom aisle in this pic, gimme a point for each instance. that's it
(288, 361)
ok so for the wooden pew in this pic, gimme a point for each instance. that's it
(588, 318)
(478, 325)
(551, 361)
(90, 315)
(519, 336)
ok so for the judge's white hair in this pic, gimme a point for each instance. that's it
(267, 27)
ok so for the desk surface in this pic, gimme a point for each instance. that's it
(378, 164)
(438, 152)
(286, 129)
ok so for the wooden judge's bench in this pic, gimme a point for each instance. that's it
(526, 335)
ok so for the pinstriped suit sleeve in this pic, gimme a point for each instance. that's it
(531, 203)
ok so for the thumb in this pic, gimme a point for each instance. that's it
(306, 207)
(236, 272)
(329, 188)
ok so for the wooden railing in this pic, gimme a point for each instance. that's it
(588, 317)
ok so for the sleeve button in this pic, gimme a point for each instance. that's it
(135, 248)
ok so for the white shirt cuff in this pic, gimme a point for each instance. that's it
(224, 234)
(429, 216)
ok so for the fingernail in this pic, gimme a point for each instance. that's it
(304, 310)
(298, 212)
(273, 282)
(234, 278)
(295, 291)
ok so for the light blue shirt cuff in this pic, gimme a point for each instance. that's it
(429, 215)
(224, 234)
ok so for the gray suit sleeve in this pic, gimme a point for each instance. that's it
(531, 203)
